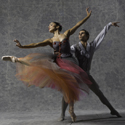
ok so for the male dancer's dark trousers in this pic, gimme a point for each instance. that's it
(95, 88)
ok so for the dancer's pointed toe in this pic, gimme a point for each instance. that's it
(9, 58)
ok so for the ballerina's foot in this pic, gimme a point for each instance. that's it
(9, 58)
(73, 116)
(116, 113)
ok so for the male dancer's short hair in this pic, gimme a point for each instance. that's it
(86, 32)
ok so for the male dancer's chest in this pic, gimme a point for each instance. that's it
(84, 56)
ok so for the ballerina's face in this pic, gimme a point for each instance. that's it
(52, 27)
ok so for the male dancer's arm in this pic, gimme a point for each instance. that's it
(102, 34)
(72, 48)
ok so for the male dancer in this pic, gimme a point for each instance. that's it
(84, 52)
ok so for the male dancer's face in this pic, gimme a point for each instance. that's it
(82, 36)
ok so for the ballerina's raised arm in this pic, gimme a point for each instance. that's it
(55, 28)
(73, 29)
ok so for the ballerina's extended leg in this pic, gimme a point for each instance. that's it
(10, 58)
(14, 59)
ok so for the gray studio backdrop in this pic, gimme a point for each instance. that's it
(28, 20)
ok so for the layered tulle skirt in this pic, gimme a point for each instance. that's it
(46, 70)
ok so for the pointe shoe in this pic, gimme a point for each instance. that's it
(73, 116)
(71, 112)
(114, 112)
(9, 58)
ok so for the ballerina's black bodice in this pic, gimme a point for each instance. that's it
(62, 47)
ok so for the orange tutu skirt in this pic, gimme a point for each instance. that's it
(43, 70)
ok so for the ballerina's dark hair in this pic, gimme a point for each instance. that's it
(86, 32)
(58, 24)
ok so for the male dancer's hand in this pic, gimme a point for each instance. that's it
(115, 24)
(18, 43)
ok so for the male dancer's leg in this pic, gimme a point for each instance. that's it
(95, 88)
(64, 107)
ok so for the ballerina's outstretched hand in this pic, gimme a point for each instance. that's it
(87, 11)
(17, 43)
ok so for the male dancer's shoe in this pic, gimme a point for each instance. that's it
(61, 118)
(114, 112)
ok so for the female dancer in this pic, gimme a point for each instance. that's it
(59, 71)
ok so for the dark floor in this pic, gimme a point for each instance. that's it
(51, 118)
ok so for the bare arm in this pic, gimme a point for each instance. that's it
(73, 29)
(33, 45)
